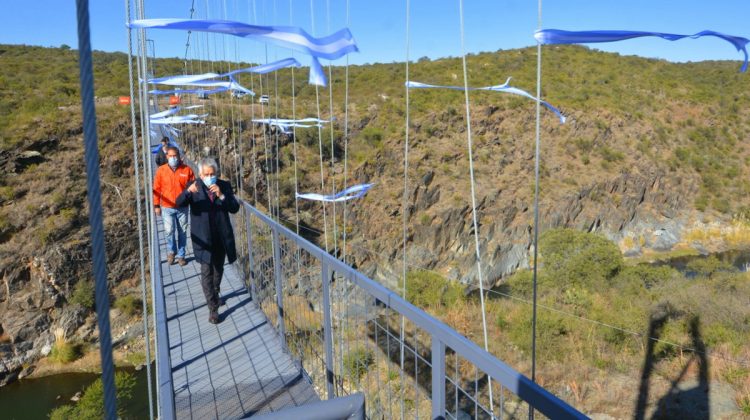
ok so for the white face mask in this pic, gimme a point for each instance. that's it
(173, 161)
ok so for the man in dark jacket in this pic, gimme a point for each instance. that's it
(211, 200)
(161, 155)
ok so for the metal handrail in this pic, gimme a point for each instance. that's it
(441, 334)
(166, 403)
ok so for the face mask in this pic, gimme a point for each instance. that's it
(173, 162)
(209, 180)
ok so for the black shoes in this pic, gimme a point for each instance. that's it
(213, 317)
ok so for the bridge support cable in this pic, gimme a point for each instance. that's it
(139, 210)
(473, 195)
(536, 199)
(93, 193)
(320, 138)
(405, 199)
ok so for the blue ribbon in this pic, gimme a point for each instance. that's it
(329, 47)
(497, 88)
(557, 36)
(353, 192)
(181, 91)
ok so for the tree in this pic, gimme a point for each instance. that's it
(91, 404)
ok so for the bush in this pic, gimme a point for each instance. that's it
(707, 267)
(357, 362)
(428, 289)
(83, 294)
(91, 404)
(65, 353)
(130, 305)
(574, 257)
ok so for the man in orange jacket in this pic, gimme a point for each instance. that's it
(169, 182)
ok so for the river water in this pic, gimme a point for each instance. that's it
(35, 398)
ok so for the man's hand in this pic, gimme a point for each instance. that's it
(193, 188)
(215, 190)
(157, 210)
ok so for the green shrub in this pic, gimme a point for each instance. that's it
(64, 352)
(129, 305)
(709, 266)
(641, 276)
(357, 362)
(91, 404)
(573, 257)
(83, 294)
(428, 289)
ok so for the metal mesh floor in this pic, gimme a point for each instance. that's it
(231, 370)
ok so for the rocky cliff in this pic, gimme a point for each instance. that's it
(45, 250)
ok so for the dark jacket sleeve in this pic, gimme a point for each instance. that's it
(229, 203)
(161, 158)
(185, 197)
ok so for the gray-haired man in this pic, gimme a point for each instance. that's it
(211, 200)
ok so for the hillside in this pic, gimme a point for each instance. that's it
(654, 157)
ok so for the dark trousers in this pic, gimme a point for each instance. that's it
(211, 278)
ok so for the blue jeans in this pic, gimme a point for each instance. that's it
(175, 219)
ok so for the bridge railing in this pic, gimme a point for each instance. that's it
(345, 329)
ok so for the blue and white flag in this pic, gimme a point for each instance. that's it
(350, 193)
(181, 91)
(558, 36)
(179, 119)
(266, 68)
(330, 47)
(497, 88)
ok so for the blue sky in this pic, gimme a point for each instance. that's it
(379, 25)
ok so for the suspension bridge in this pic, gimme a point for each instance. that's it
(302, 332)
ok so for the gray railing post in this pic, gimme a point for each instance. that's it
(327, 330)
(279, 283)
(438, 378)
(250, 262)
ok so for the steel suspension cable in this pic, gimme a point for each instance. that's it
(405, 199)
(346, 137)
(473, 195)
(320, 140)
(332, 172)
(136, 166)
(536, 200)
(143, 100)
(93, 193)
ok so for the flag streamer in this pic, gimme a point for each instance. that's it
(558, 36)
(497, 88)
(353, 192)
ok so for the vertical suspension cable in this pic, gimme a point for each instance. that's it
(473, 195)
(252, 128)
(95, 208)
(331, 171)
(276, 113)
(405, 199)
(136, 166)
(148, 169)
(346, 138)
(320, 140)
(294, 133)
(536, 200)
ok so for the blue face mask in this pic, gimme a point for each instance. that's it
(209, 180)
(173, 162)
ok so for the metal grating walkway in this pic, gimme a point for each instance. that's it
(231, 370)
